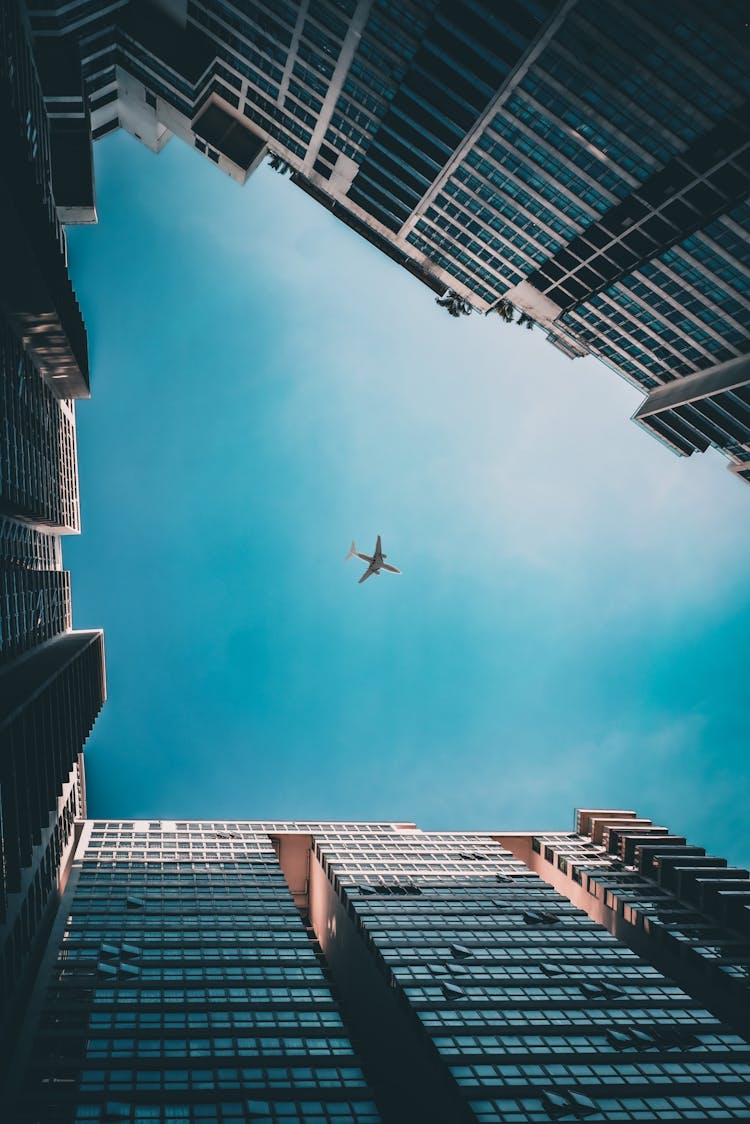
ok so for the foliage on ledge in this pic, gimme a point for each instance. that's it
(506, 311)
(455, 304)
(279, 164)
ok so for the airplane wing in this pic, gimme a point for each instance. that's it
(387, 566)
(366, 575)
(378, 547)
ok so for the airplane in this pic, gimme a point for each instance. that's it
(376, 563)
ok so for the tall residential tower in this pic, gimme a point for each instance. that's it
(344, 973)
(585, 163)
(51, 678)
(689, 912)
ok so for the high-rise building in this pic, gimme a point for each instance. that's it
(583, 162)
(43, 362)
(687, 911)
(49, 700)
(51, 678)
(580, 163)
(338, 973)
(38, 366)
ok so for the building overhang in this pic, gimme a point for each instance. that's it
(534, 303)
(700, 384)
(230, 136)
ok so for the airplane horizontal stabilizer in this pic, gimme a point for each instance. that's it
(352, 551)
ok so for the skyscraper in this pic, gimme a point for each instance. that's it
(584, 163)
(687, 911)
(49, 700)
(581, 164)
(323, 972)
(51, 678)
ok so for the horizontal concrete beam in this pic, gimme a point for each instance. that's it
(741, 470)
(535, 304)
(701, 384)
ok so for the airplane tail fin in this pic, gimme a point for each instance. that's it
(352, 551)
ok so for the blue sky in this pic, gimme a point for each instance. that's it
(570, 628)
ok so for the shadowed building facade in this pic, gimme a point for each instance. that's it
(51, 678)
(329, 973)
(585, 163)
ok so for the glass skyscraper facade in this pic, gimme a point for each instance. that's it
(584, 163)
(322, 972)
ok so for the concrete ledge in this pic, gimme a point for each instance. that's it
(701, 384)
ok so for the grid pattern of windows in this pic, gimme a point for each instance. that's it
(612, 174)
(34, 606)
(721, 419)
(186, 985)
(48, 703)
(34, 589)
(22, 910)
(185, 974)
(47, 316)
(684, 311)
(42, 740)
(21, 545)
(264, 1112)
(49, 699)
(650, 879)
(556, 1106)
(19, 78)
(527, 1001)
(617, 59)
(38, 470)
(707, 180)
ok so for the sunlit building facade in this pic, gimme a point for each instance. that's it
(584, 163)
(687, 911)
(323, 972)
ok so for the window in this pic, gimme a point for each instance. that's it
(531, 917)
